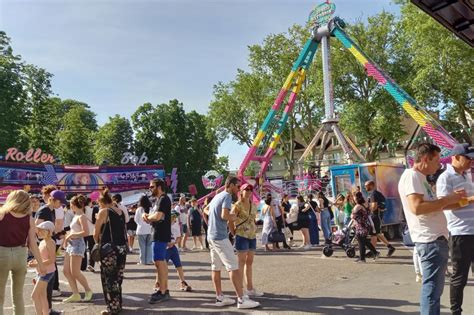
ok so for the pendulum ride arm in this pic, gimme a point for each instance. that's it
(296, 78)
(429, 124)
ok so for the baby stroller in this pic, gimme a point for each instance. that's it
(342, 238)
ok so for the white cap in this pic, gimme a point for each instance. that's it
(46, 225)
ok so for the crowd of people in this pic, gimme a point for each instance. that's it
(35, 228)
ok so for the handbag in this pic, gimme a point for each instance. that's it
(102, 250)
(276, 237)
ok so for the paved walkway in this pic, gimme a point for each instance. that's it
(295, 282)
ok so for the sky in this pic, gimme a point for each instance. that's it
(116, 55)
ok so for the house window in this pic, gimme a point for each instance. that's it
(335, 142)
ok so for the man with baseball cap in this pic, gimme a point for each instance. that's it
(458, 177)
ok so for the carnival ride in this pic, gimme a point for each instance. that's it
(325, 26)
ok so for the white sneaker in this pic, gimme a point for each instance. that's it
(194, 248)
(307, 247)
(56, 293)
(245, 302)
(201, 248)
(253, 292)
(223, 300)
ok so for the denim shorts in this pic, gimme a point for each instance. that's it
(243, 244)
(46, 278)
(159, 251)
(76, 247)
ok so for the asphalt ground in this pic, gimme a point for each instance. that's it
(294, 282)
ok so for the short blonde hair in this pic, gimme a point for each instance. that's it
(18, 201)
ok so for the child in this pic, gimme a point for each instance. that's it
(47, 249)
(172, 253)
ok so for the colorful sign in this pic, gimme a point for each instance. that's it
(79, 178)
(321, 14)
(128, 157)
(32, 155)
(212, 180)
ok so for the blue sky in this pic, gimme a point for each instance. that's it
(116, 55)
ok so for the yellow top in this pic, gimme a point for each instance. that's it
(245, 222)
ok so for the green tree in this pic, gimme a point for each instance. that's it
(75, 145)
(13, 108)
(113, 139)
(442, 64)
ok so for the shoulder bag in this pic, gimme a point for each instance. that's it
(102, 250)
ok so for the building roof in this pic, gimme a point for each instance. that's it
(455, 15)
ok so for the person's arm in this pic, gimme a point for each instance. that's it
(155, 216)
(231, 224)
(226, 215)
(138, 216)
(101, 219)
(33, 246)
(272, 213)
(419, 206)
(372, 224)
(84, 232)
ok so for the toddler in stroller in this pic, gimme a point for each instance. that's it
(342, 238)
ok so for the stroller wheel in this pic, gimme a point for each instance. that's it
(350, 252)
(328, 251)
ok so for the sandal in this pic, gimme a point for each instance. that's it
(185, 286)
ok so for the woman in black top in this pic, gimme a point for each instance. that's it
(131, 227)
(303, 221)
(110, 228)
(285, 210)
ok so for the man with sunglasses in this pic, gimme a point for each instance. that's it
(221, 249)
(160, 218)
(458, 177)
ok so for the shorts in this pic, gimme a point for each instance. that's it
(131, 232)
(76, 247)
(159, 250)
(196, 230)
(222, 254)
(377, 223)
(243, 244)
(184, 229)
(173, 255)
(46, 278)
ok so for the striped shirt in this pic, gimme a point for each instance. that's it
(460, 221)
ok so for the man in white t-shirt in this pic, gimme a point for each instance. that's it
(427, 223)
(460, 220)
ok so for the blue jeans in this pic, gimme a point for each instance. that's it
(326, 223)
(434, 260)
(146, 248)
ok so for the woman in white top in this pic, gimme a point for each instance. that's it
(144, 232)
(89, 239)
(75, 251)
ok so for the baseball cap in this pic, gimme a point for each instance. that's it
(46, 225)
(246, 186)
(58, 194)
(463, 149)
(174, 214)
(193, 199)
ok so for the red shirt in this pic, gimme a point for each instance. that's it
(14, 231)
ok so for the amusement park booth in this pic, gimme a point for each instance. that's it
(345, 178)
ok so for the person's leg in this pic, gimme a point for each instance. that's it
(149, 249)
(242, 257)
(216, 280)
(248, 269)
(185, 236)
(67, 271)
(77, 273)
(434, 259)
(141, 249)
(195, 242)
(40, 297)
(162, 266)
(131, 240)
(49, 290)
(462, 253)
(361, 240)
(327, 224)
(305, 233)
(371, 248)
(56, 275)
(18, 275)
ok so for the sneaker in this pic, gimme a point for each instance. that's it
(185, 286)
(88, 296)
(253, 292)
(391, 250)
(201, 248)
(90, 268)
(307, 247)
(56, 293)
(360, 261)
(73, 298)
(223, 300)
(418, 278)
(158, 297)
(245, 302)
(377, 255)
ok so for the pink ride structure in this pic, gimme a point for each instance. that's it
(268, 137)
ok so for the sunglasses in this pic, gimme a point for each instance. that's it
(248, 189)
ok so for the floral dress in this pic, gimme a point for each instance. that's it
(361, 217)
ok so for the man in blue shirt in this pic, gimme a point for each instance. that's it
(457, 177)
(221, 249)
